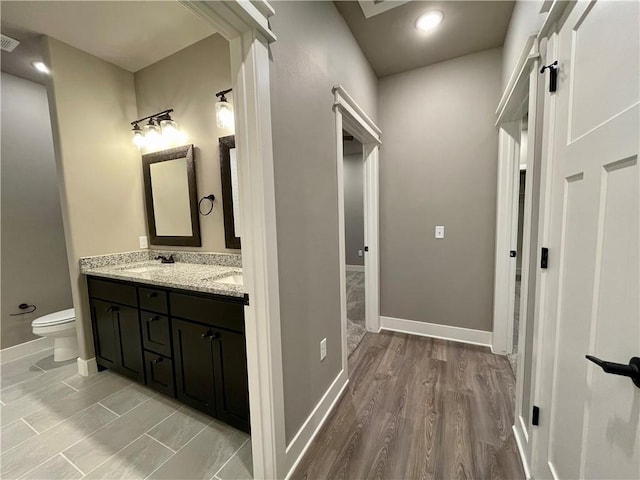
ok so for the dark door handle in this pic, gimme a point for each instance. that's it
(154, 319)
(632, 370)
(210, 335)
(152, 295)
(156, 361)
(111, 308)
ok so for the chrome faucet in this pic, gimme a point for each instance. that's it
(168, 259)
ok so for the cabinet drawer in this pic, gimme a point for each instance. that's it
(159, 371)
(113, 292)
(156, 333)
(213, 312)
(153, 300)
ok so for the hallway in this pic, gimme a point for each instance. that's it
(418, 407)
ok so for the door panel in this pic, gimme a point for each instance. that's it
(193, 359)
(128, 325)
(159, 372)
(104, 332)
(592, 303)
(232, 390)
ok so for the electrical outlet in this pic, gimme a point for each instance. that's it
(439, 231)
(323, 349)
(359, 253)
(144, 242)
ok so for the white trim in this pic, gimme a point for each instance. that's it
(16, 352)
(523, 458)
(355, 268)
(87, 367)
(520, 74)
(309, 430)
(350, 116)
(245, 25)
(434, 330)
(556, 10)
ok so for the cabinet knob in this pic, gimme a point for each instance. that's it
(152, 294)
(210, 335)
(111, 308)
(154, 318)
(156, 361)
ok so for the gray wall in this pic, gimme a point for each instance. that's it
(187, 82)
(438, 167)
(354, 207)
(315, 51)
(99, 169)
(34, 257)
(525, 20)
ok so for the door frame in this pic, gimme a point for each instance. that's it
(520, 97)
(246, 26)
(350, 116)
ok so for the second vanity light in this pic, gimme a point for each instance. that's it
(159, 129)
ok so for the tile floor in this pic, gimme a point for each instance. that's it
(55, 424)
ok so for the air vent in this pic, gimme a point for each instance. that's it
(9, 44)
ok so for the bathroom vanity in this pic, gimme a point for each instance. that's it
(178, 329)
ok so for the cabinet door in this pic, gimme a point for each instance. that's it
(156, 333)
(192, 350)
(104, 333)
(130, 362)
(230, 368)
(159, 371)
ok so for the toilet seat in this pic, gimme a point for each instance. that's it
(55, 318)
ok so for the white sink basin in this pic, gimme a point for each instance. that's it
(231, 279)
(147, 269)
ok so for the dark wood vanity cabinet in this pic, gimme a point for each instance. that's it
(117, 338)
(186, 345)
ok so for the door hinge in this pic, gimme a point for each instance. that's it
(544, 257)
(535, 416)
(513, 254)
(246, 299)
(553, 75)
(366, 249)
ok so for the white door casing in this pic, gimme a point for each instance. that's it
(351, 117)
(589, 421)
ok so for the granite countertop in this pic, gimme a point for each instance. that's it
(198, 277)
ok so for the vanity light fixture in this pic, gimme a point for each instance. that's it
(429, 21)
(224, 110)
(160, 129)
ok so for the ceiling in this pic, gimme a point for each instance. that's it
(392, 44)
(130, 34)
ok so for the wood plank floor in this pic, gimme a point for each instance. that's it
(419, 408)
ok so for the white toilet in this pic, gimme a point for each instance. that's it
(62, 327)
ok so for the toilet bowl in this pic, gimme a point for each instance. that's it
(62, 327)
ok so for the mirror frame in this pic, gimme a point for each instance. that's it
(230, 238)
(148, 159)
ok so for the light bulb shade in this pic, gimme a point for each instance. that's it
(152, 135)
(138, 137)
(169, 130)
(224, 114)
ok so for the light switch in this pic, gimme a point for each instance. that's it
(323, 349)
(359, 253)
(144, 242)
(439, 231)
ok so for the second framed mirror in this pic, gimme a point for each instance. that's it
(230, 191)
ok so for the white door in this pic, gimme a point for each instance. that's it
(590, 420)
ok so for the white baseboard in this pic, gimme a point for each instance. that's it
(523, 458)
(302, 440)
(87, 367)
(355, 268)
(10, 354)
(445, 332)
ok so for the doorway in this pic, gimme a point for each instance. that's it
(353, 167)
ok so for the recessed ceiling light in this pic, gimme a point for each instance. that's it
(429, 20)
(41, 67)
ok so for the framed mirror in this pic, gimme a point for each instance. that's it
(171, 197)
(230, 191)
